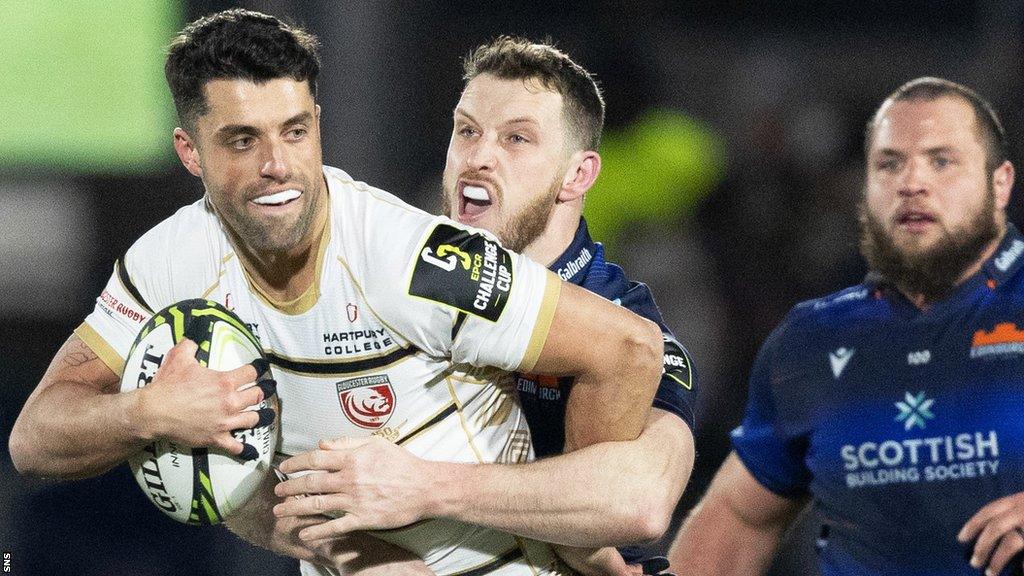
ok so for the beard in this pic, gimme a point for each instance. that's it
(932, 272)
(520, 229)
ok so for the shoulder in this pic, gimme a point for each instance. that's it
(812, 322)
(178, 257)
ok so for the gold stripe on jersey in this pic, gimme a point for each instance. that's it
(495, 412)
(223, 271)
(517, 448)
(103, 350)
(305, 301)
(462, 422)
(540, 330)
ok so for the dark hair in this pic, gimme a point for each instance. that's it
(236, 44)
(990, 129)
(511, 58)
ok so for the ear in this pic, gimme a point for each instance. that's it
(584, 166)
(187, 152)
(1002, 184)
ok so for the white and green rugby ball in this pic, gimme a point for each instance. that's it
(198, 485)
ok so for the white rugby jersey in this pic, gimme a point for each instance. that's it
(401, 299)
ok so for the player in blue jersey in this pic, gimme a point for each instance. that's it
(893, 406)
(521, 158)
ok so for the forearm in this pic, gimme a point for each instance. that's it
(713, 544)
(611, 493)
(356, 554)
(71, 430)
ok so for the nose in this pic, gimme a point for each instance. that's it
(481, 154)
(914, 180)
(275, 164)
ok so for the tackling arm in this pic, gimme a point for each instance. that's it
(736, 527)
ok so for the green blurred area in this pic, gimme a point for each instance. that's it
(653, 172)
(82, 87)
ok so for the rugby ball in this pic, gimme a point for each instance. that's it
(198, 485)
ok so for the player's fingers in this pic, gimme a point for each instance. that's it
(182, 352)
(311, 505)
(977, 523)
(1010, 544)
(249, 396)
(332, 528)
(246, 372)
(262, 367)
(228, 443)
(313, 483)
(312, 460)
(989, 538)
(250, 419)
(268, 387)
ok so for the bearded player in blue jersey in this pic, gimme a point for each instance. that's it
(893, 406)
(523, 154)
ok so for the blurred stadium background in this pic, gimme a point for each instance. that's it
(732, 169)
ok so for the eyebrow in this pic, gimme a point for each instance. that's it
(929, 151)
(229, 130)
(517, 120)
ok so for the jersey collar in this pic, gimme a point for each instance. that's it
(574, 264)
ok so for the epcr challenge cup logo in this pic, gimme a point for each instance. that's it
(368, 401)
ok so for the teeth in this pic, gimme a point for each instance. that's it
(278, 198)
(476, 193)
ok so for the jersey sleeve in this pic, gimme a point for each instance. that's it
(119, 314)
(677, 391)
(454, 291)
(772, 455)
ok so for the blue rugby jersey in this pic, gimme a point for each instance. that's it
(899, 423)
(544, 398)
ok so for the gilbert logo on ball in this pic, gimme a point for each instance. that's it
(198, 485)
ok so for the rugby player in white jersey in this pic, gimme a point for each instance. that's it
(521, 158)
(306, 256)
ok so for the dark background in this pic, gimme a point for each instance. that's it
(776, 94)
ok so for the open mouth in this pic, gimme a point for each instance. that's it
(912, 217)
(278, 198)
(473, 201)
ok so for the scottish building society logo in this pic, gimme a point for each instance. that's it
(899, 458)
(914, 410)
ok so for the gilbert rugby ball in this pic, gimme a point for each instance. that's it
(198, 485)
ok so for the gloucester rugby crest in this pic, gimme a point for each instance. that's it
(367, 401)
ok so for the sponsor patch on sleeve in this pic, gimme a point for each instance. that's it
(465, 270)
(677, 363)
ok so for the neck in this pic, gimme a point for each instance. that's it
(557, 235)
(921, 301)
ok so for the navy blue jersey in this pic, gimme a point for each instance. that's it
(899, 423)
(544, 397)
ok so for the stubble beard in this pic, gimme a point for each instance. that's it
(265, 237)
(933, 272)
(522, 228)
